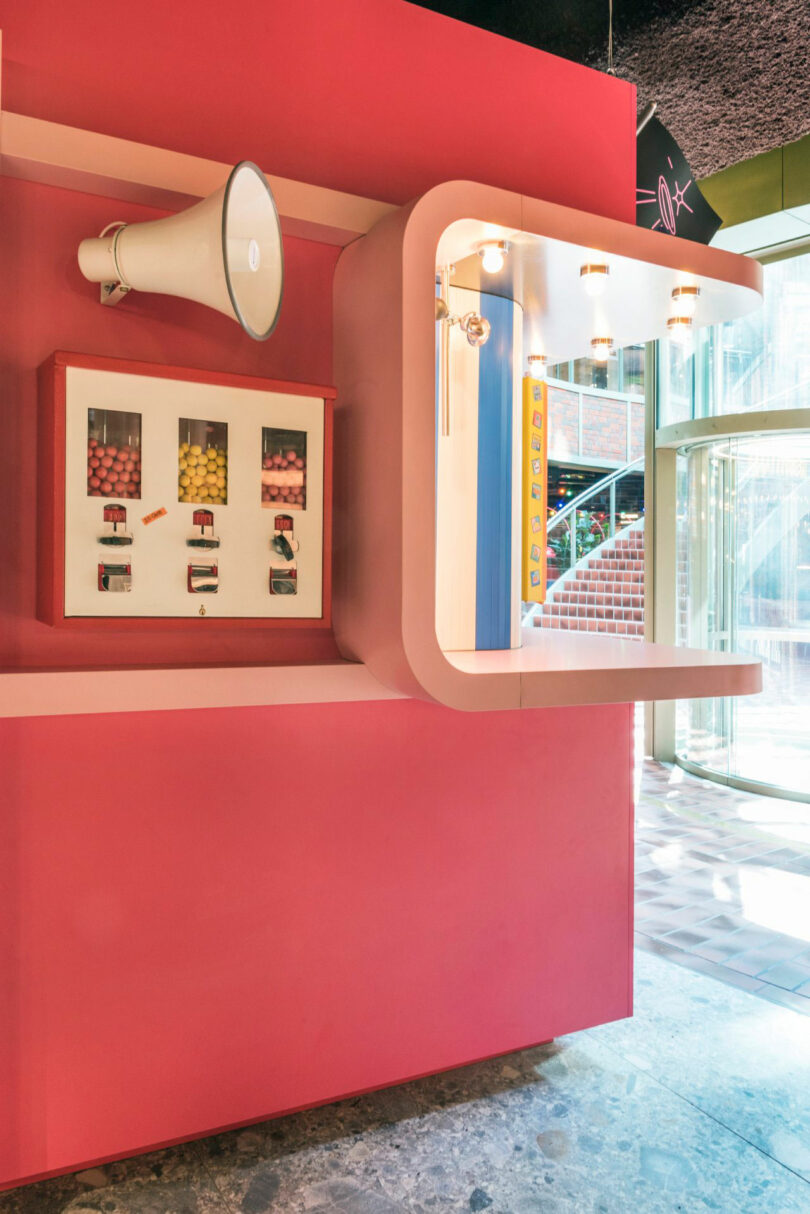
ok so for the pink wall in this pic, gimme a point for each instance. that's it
(166, 970)
(201, 941)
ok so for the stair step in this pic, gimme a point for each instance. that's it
(585, 601)
(600, 574)
(605, 611)
(632, 629)
(599, 592)
(627, 584)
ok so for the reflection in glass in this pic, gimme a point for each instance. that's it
(284, 468)
(743, 552)
(761, 361)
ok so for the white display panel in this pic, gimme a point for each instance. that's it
(159, 555)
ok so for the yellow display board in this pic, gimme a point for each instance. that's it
(535, 490)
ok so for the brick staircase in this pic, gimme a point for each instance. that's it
(604, 592)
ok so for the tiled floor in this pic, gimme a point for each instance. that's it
(723, 883)
(700, 1102)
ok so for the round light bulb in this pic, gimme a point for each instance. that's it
(600, 347)
(492, 259)
(537, 366)
(594, 278)
(679, 328)
(684, 300)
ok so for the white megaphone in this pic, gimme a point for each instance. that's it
(224, 252)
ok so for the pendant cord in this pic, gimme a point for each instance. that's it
(610, 67)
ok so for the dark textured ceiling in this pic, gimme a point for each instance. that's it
(731, 79)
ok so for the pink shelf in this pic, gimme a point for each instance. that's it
(52, 693)
(555, 668)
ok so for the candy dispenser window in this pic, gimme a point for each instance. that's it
(113, 453)
(284, 468)
(202, 462)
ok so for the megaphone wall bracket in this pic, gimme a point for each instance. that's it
(113, 292)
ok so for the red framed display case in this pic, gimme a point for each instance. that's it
(188, 474)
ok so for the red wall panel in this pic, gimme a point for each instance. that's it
(377, 97)
(254, 910)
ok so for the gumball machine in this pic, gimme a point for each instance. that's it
(157, 447)
(283, 565)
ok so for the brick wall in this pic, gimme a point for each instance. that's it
(636, 429)
(604, 429)
(563, 423)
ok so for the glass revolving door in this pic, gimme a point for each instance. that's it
(743, 578)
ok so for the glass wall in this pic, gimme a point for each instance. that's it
(759, 362)
(743, 576)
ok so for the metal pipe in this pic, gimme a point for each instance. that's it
(444, 355)
(579, 501)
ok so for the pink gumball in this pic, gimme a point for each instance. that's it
(94, 482)
(112, 450)
(290, 456)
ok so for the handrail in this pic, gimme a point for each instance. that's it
(576, 503)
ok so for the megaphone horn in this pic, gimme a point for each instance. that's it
(224, 252)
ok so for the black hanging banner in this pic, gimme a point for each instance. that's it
(667, 195)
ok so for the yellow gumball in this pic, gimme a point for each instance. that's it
(220, 459)
(185, 480)
(210, 478)
(196, 449)
(186, 497)
(217, 501)
(203, 491)
(211, 452)
(196, 479)
(220, 482)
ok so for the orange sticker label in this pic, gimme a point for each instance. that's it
(150, 518)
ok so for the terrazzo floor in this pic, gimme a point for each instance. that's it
(700, 1102)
